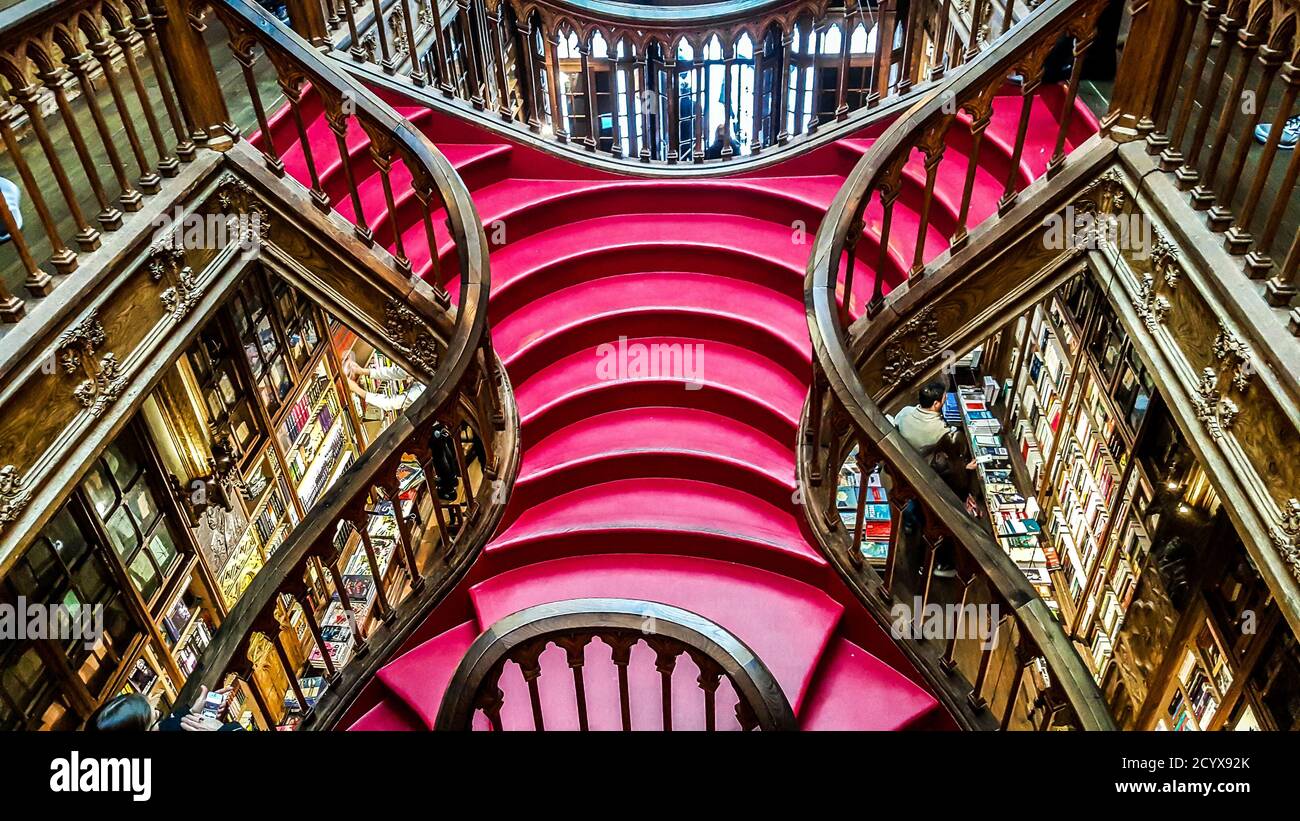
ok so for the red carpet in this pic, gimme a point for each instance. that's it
(668, 478)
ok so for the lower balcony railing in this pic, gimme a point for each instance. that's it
(475, 696)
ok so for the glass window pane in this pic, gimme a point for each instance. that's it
(142, 505)
(144, 576)
(91, 580)
(101, 490)
(66, 536)
(227, 387)
(163, 547)
(121, 463)
(42, 569)
(121, 533)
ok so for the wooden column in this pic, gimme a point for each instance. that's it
(307, 18)
(202, 103)
(1142, 69)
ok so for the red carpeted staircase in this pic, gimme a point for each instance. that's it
(675, 485)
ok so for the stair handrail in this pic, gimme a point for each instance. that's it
(466, 386)
(841, 412)
(572, 624)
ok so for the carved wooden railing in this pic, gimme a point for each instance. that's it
(78, 176)
(573, 625)
(648, 84)
(1196, 82)
(1028, 674)
(455, 506)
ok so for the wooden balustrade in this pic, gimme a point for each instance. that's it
(1028, 673)
(1209, 75)
(91, 103)
(655, 85)
(443, 519)
(572, 625)
(90, 84)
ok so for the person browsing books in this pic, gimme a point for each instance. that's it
(922, 424)
(380, 373)
(133, 712)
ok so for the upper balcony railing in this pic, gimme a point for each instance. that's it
(103, 101)
(1031, 670)
(1213, 87)
(686, 84)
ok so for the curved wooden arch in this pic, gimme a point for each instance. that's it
(527, 632)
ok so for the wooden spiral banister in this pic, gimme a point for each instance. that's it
(574, 624)
(632, 83)
(1047, 681)
(467, 397)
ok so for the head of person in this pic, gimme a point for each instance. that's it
(130, 713)
(931, 396)
(720, 133)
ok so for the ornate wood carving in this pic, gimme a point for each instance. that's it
(14, 493)
(78, 351)
(166, 265)
(911, 349)
(409, 334)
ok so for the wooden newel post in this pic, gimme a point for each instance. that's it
(202, 103)
(1142, 69)
(307, 19)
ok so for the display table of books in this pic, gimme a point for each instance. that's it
(1012, 516)
(875, 526)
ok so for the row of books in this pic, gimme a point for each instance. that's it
(302, 457)
(296, 420)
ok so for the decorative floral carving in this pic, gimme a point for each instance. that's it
(236, 197)
(1228, 347)
(77, 350)
(1164, 259)
(14, 493)
(911, 349)
(167, 262)
(410, 335)
(1151, 307)
(1286, 535)
(1216, 410)
(1213, 405)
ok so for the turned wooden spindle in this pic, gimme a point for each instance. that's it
(62, 258)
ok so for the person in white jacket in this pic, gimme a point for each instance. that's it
(380, 373)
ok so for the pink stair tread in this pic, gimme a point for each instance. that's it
(855, 690)
(657, 429)
(419, 677)
(677, 511)
(786, 623)
(700, 296)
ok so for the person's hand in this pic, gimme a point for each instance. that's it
(196, 709)
(199, 723)
(972, 464)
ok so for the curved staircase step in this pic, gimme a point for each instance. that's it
(786, 623)
(854, 690)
